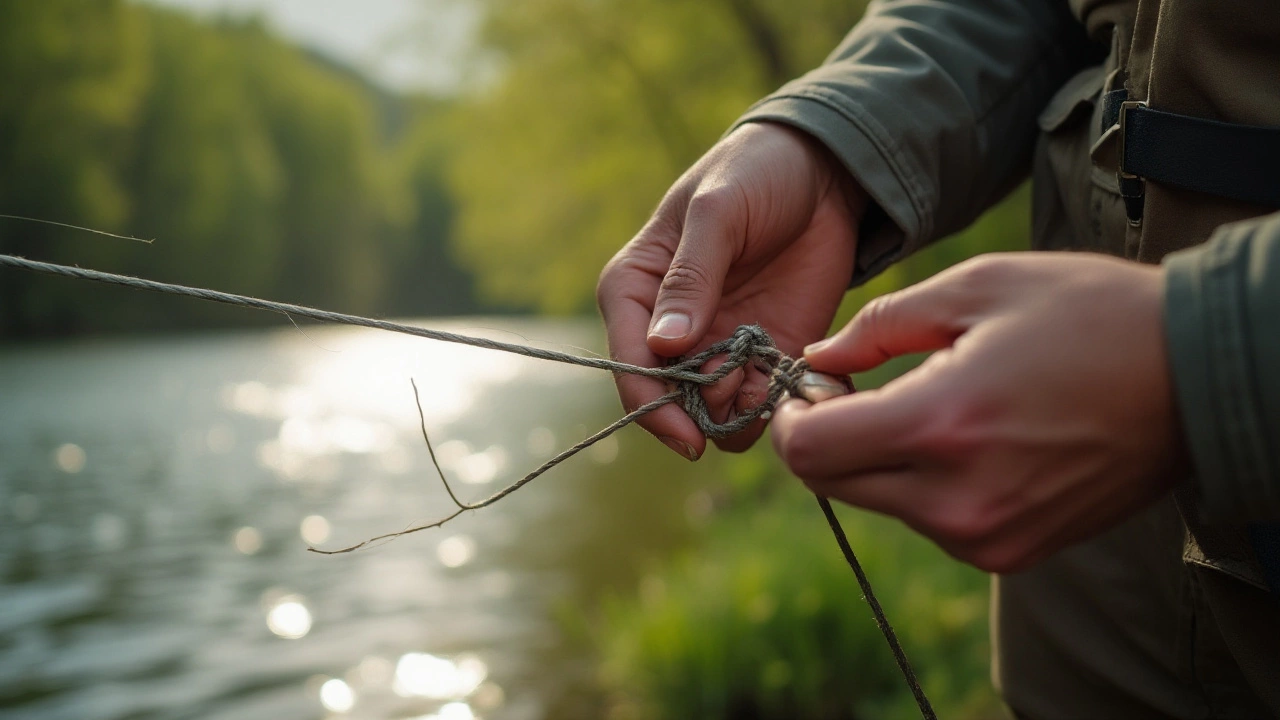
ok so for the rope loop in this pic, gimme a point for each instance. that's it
(749, 344)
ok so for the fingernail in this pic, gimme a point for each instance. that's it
(672, 326)
(818, 346)
(684, 449)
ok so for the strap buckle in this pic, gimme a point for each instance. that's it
(1132, 187)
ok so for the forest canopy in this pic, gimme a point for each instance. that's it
(263, 168)
(257, 168)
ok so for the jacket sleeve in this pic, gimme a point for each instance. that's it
(931, 105)
(1222, 323)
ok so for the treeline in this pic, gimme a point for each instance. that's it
(601, 104)
(256, 168)
(262, 169)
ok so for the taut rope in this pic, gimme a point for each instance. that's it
(749, 343)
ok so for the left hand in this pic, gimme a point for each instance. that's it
(1045, 417)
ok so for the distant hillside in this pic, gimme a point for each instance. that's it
(257, 166)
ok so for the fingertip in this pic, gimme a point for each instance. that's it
(671, 325)
(671, 344)
(782, 425)
(836, 359)
(681, 448)
(673, 428)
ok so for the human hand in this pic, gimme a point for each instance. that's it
(760, 230)
(1045, 417)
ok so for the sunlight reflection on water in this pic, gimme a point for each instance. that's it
(289, 618)
(337, 696)
(437, 678)
(157, 499)
(247, 540)
(314, 529)
(456, 551)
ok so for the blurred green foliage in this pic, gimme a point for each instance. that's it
(599, 107)
(764, 620)
(257, 167)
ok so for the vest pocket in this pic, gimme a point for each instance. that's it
(1065, 212)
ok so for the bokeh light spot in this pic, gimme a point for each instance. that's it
(248, 540)
(289, 618)
(69, 458)
(604, 451)
(314, 529)
(456, 551)
(541, 442)
(437, 678)
(337, 696)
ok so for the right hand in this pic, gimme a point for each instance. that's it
(762, 230)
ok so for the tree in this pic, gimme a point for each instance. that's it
(599, 106)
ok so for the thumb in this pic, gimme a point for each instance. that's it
(921, 318)
(689, 296)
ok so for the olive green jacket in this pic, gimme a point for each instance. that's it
(936, 106)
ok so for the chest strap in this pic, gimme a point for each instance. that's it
(1240, 162)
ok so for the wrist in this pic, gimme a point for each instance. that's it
(835, 177)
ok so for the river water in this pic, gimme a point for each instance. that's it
(157, 497)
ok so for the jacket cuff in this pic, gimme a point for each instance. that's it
(866, 150)
(1218, 348)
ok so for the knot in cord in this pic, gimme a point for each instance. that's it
(748, 344)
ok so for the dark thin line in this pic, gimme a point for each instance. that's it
(922, 702)
(75, 227)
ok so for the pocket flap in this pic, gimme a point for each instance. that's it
(1077, 95)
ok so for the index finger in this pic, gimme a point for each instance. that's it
(864, 432)
(626, 299)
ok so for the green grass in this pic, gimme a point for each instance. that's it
(765, 620)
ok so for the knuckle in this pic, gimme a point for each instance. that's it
(948, 432)
(714, 202)
(619, 274)
(685, 279)
(875, 313)
(880, 321)
(607, 281)
(984, 271)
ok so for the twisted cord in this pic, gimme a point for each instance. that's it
(682, 371)
(882, 620)
(748, 344)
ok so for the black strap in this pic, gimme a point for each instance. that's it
(1111, 107)
(1265, 538)
(1241, 162)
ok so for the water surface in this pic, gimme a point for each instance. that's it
(157, 497)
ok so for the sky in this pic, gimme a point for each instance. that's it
(401, 44)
